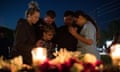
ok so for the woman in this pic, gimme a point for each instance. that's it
(25, 35)
(87, 38)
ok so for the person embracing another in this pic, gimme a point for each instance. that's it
(87, 38)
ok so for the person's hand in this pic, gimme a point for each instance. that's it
(73, 30)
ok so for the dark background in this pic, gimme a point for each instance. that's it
(12, 10)
(105, 12)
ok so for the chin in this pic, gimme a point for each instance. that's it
(49, 39)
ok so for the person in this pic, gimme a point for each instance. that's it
(63, 37)
(49, 19)
(4, 45)
(25, 39)
(45, 41)
(87, 36)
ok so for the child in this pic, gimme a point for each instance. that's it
(45, 41)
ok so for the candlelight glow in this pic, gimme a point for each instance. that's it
(115, 50)
(89, 58)
(115, 54)
(39, 55)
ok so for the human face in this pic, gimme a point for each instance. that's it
(80, 20)
(35, 17)
(68, 20)
(48, 35)
(49, 20)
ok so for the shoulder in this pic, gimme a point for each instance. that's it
(89, 25)
(21, 23)
(21, 20)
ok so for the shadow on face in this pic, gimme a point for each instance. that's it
(68, 20)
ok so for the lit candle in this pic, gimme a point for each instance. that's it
(115, 54)
(39, 55)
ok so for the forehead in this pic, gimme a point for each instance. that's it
(49, 17)
(50, 32)
(36, 13)
(79, 17)
(68, 17)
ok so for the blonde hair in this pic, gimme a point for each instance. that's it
(32, 7)
(33, 4)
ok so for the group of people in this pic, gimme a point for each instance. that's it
(79, 33)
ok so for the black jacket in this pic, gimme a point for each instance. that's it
(65, 40)
(24, 36)
(25, 40)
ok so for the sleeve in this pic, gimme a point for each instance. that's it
(90, 32)
(20, 35)
(21, 38)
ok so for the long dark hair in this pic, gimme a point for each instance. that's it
(32, 7)
(81, 13)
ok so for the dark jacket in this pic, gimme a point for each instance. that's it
(24, 39)
(65, 40)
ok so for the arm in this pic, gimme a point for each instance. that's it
(22, 38)
(73, 31)
(83, 39)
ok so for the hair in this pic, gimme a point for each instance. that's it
(68, 13)
(51, 13)
(81, 13)
(48, 28)
(32, 8)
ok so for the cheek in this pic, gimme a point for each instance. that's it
(32, 19)
(49, 21)
(80, 21)
(77, 21)
(50, 37)
(68, 21)
(35, 20)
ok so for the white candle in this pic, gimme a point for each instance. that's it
(39, 55)
(115, 54)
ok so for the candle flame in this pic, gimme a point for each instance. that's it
(115, 54)
(115, 50)
(39, 55)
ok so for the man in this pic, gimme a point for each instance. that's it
(63, 38)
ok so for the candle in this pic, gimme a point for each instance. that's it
(39, 56)
(115, 54)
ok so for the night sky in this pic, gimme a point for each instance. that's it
(12, 10)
